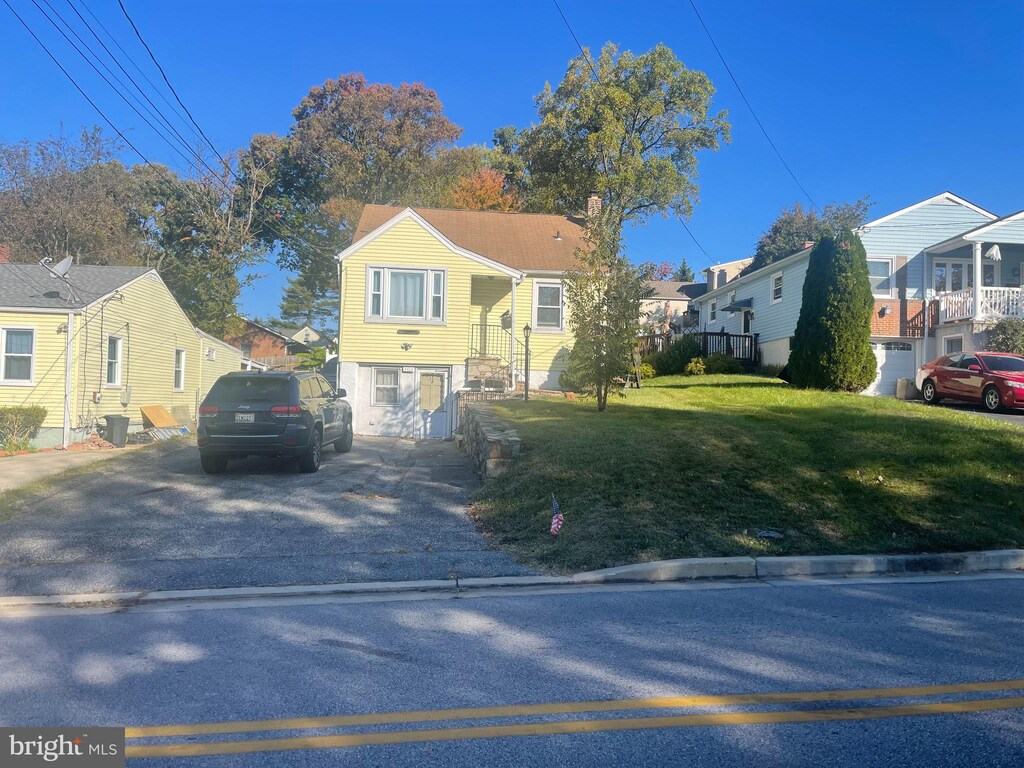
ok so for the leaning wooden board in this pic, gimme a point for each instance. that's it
(157, 416)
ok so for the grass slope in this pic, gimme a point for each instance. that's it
(696, 466)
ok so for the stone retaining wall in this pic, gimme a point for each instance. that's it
(491, 443)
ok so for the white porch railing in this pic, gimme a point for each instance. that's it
(956, 305)
(995, 303)
(1001, 302)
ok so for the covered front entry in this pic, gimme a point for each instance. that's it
(404, 401)
(896, 360)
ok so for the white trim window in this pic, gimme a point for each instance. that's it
(19, 353)
(951, 345)
(880, 276)
(114, 346)
(385, 386)
(713, 311)
(776, 285)
(548, 307)
(732, 298)
(179, 370)
(405, 294)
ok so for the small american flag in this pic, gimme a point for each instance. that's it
(556, 517)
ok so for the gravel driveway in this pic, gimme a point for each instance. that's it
(389, 510)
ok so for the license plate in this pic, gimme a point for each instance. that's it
(245, 418)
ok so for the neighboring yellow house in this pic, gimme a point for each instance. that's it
(104, 342)
(434, 301)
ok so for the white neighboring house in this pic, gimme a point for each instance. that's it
(922, 262)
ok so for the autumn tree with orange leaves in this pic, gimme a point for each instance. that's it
(485, 190)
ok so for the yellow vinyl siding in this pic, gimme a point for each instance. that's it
(226, 359)
(475, 294)
(152, 326)
(48, 365)
(548, 351)
(407, 244)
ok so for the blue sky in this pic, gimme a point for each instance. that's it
(898, 101)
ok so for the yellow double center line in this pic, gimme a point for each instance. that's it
(566, 726)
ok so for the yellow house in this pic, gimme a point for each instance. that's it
(435, 301)
(103, 341)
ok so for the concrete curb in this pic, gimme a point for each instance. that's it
(689, 569)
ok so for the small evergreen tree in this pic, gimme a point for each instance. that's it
(683, 273)
(831, 347)
(603, 297)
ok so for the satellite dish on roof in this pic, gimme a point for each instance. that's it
(62, 267)
(59, 270)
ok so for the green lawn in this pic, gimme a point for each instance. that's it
(696, 466)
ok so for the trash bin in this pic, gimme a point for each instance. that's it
(116, 431)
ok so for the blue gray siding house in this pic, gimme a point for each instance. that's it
(922, 260)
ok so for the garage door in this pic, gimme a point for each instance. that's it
(403, 401)
(896, 360)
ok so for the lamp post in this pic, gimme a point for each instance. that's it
(526, 372)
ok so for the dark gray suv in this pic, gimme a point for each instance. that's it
(272, 413)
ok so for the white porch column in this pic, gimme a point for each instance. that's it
(512, 337)
(977, 280)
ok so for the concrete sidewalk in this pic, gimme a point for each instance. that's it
(16, 471)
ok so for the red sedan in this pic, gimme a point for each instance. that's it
(994, 379)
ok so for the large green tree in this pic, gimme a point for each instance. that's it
(355, 142)
(798, 225)
(312, 305)
(831, 348)
(631, 132)
(73, 196)
(629, 129)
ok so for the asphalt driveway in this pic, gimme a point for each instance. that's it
(389, 510)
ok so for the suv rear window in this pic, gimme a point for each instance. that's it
(251, 389)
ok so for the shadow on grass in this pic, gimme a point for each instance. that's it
(834, 474)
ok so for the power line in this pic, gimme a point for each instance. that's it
(60, 66)
(113, 58)
(113, 87)
(132, 61)
(163, 74)
(752, 112)
(597, 77)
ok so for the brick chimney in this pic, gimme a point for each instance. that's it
(5, 253)
(593, 205)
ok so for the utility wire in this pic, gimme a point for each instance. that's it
(114, 88)
(159, 115)
(163, 74)
(752, 112)
(597, 77)
(74, 82)
(132, 61)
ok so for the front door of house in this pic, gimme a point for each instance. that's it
(431, 404)
(747, 314)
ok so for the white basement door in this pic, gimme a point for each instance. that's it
(896, 360)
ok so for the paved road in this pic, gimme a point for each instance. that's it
(389, 510)
(348, 658)
(1009, 417)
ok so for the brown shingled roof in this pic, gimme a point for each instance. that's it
(523, 241)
